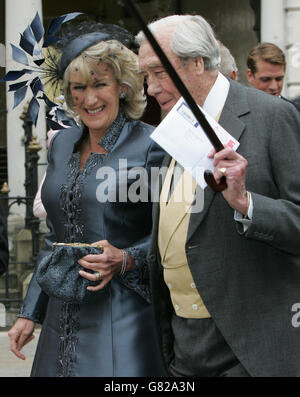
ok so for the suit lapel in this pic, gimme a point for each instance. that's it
(156, 211)
(197, 217)
(155, 208)
(235, 106)
(232, 123)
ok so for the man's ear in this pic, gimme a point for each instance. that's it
(233, 75)
(250, 76)
(199, 65)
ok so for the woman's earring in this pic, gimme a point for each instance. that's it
(122, 95)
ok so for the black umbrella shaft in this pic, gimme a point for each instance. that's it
(210, 133)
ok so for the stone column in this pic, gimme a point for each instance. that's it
(273, 26)
(19, 15)
(292, 10)
(273, 22)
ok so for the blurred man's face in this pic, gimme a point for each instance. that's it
(268, 77)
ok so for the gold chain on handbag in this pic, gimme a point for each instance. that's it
(77, 245)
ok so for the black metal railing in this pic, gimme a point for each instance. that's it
(3, 150)
(32, 223)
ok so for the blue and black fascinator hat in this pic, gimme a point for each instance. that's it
(76, 47)
(50, 69)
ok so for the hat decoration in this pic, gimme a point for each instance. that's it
(52, 67)
(30, 54)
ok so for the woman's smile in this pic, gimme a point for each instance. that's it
(93, 112)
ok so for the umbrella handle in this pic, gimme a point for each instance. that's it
(210, 180)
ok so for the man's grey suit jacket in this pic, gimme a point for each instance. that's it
(248, 281)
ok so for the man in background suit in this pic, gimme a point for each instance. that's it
(266, 68)
(224, 280)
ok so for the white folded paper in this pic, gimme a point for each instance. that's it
(180, 135)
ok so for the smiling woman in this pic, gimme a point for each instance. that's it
(123, 67)
(113, 334)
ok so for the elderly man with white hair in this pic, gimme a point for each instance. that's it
(225, 280)
(228, 65)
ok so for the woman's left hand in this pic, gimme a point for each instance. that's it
(105, 265)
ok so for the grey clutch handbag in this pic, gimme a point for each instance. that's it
(57, 273)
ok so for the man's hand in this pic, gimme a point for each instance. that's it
(229, 163)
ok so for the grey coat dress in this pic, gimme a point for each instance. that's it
(114, 335)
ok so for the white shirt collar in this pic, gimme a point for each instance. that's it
(216, 97)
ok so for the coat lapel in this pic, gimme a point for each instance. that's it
(197, 217)
(235, 106)
(156, 211)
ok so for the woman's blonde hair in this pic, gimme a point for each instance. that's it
(124, 64)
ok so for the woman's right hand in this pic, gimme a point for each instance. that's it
(20, 334)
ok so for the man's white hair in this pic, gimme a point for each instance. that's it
(192, 37)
